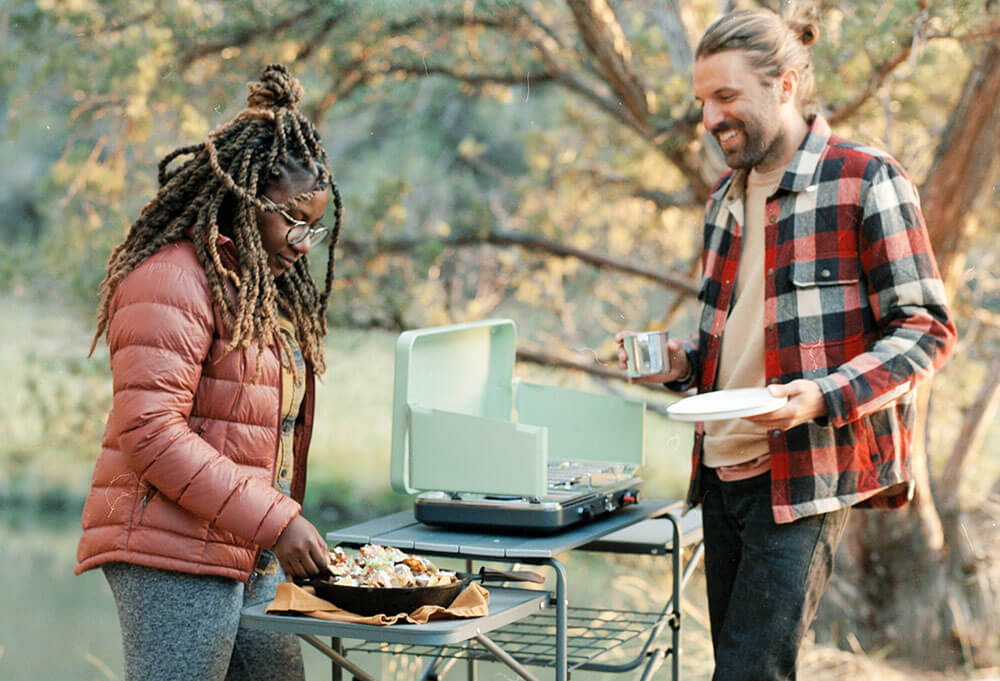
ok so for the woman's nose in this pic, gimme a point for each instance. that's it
(304, 246)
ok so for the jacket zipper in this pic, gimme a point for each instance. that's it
(145, 500)
(253, 572)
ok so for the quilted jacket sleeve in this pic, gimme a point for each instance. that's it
(160, 333)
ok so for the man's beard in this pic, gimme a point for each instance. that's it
(756, 148)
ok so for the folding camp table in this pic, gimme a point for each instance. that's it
(524, 628)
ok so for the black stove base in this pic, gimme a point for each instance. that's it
(522, 516)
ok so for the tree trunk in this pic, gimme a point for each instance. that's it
(605, 39)
(912, 567)
(975, 422)
(966, 163)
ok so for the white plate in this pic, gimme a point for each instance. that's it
(725, 404)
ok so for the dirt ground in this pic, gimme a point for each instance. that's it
(821, 663)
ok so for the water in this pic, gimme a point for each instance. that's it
(54, 625)
(57, 626)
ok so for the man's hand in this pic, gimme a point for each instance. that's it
(678, 361)
(300, 549)
(805, 403)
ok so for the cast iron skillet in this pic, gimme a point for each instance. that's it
(369, 600)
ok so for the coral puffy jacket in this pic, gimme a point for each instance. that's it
(185, 476)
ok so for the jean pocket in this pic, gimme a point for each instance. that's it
(267, 564)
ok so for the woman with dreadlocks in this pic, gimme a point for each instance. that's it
(215, 330)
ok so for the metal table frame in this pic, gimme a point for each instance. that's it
(523, 630)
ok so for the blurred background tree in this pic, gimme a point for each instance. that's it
(542, 161)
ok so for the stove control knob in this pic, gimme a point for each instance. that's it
(609, 503)
(631, 497)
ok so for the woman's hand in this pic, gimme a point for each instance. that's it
(805, 403)
(300, 549)
(678, 361)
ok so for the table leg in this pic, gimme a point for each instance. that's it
(336, 673)
(470, 665)
(675, 616)
(562, 606)
(337, 658)
(653, 664)
(431, 672)
(503, 656)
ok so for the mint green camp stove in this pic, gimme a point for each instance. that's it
(486, 450)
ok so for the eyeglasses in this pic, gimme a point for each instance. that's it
(300, 230)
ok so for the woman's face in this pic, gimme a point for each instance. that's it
(274, 227)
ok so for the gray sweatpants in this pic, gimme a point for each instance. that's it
(178, 626)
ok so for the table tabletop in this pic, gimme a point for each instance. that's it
(506, 605)
(402, 531)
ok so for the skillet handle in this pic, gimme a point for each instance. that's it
(492, 575)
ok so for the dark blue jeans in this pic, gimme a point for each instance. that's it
(764, 579)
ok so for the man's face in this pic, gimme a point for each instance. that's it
(739, 109)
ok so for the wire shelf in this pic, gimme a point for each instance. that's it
(591, 633)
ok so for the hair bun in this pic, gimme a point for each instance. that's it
(804, 23)
(276, 88)
(808, 32)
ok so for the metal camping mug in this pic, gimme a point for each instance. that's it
(647, 353)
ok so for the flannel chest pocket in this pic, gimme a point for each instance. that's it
(829, 299)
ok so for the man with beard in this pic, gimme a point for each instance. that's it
(819, 284)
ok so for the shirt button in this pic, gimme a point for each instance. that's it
(774, 381)
(770, 271)
(775, 434)
(773, 219)
(770, 327)
(825, 274)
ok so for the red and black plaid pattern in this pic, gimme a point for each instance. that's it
(853, 300)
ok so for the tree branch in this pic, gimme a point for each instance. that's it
(676, 37)
(885, 69)
(529, 77)
(500, 21)
(548, 359)
(874, 83)
(606, 41)
(351, 78)
(601, 177)
(310, 45)
(115, 25)
(240, 38)
(668, 279)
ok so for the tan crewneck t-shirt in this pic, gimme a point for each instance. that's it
(741, 365)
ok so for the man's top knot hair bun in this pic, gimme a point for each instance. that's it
(808, 32)
(277, 88)
(804, 24)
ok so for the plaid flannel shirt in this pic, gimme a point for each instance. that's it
(853, 301)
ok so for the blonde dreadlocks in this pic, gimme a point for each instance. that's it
(222, 186)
